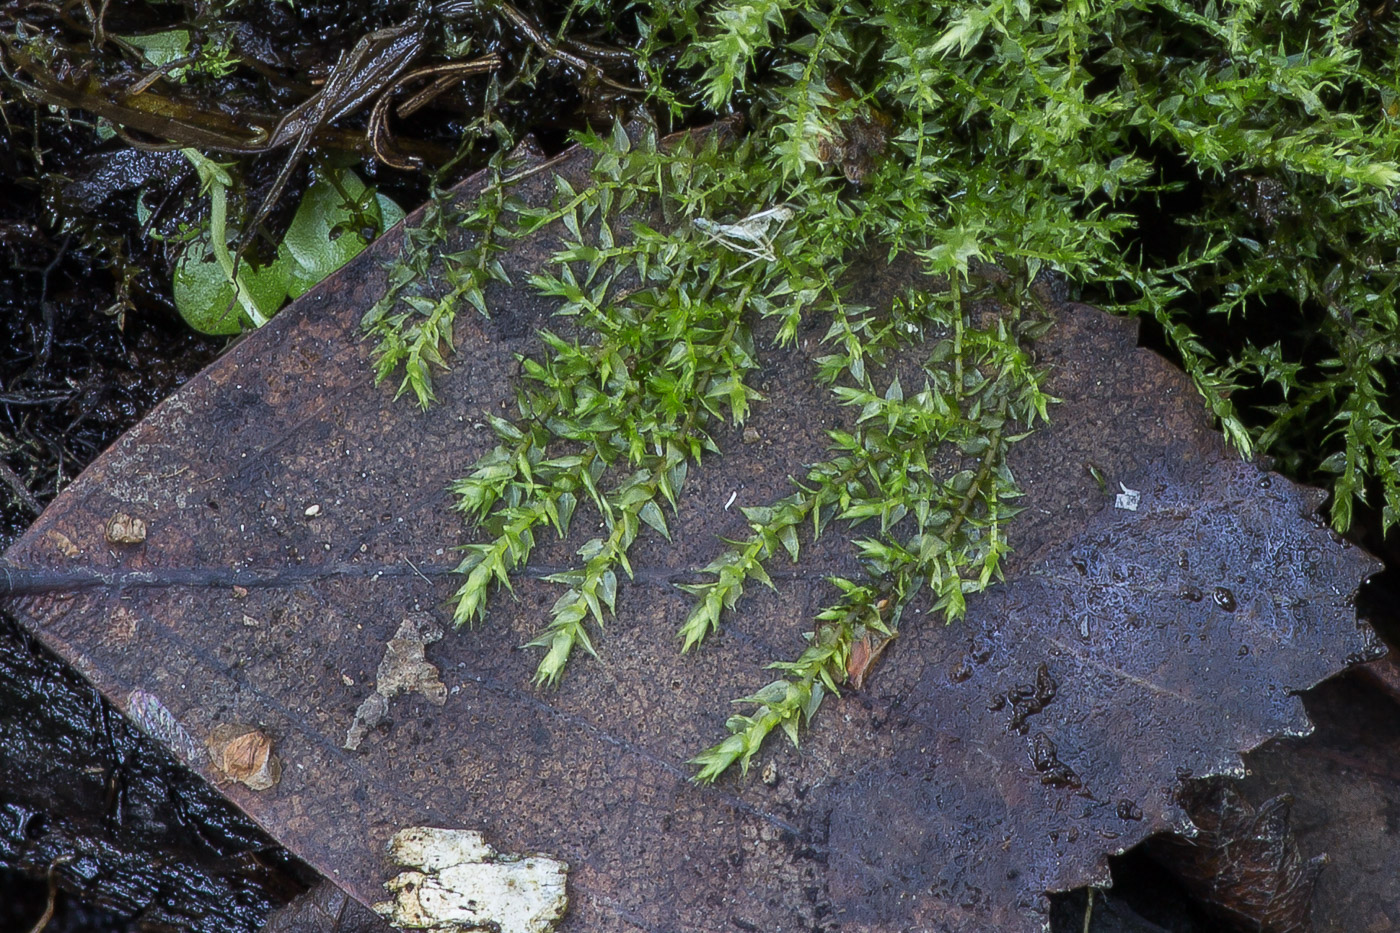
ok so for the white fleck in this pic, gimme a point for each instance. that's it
(312, 511)
(732, 497)
(750, 235)
(1127, 499)
(458, 882)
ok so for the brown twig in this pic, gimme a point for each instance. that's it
(444, 75)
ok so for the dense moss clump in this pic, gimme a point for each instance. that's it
(1205, 166)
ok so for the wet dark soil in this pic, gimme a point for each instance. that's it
(23, 903)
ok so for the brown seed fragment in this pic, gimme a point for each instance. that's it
(123, 529)
(244, 754)
(65, 544)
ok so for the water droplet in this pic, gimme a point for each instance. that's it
(1127, 810)
(1224, 599)
(1265, 481)
(1191, 593)
(996, 702)
(961, 672)
(1243, 652)
(1183, 560)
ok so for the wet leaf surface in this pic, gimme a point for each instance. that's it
(295, 516)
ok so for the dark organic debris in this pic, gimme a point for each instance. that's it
(106, 814)
(984, 763)
(1244, 862)
(1344, 781)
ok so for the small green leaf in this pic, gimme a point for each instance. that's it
(330, 228)
(205, 297)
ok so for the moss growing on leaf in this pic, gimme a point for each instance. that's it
(1205, 166)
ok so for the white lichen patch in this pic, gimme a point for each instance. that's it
(458, 883)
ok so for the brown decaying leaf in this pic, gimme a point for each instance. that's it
(325, 909)
(1243, 862)
(1344, 780)
(986, 763)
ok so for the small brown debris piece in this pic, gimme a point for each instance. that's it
(123, 529)
(244, 754)
(865, 652)
(65, 544)
(123, 624)
(404, 669)
(240, 592)
(859, 141)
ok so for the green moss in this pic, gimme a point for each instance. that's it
(1200, 165)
